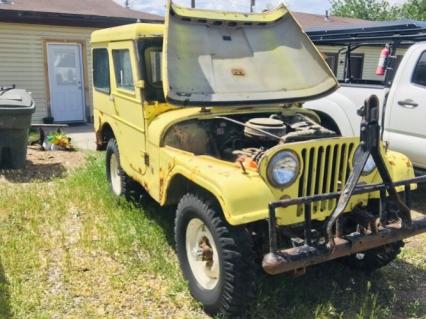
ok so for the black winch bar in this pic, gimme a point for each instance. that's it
(369, 146)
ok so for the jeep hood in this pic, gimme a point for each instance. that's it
(228, 58)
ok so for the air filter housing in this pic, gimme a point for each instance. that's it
(255, 126)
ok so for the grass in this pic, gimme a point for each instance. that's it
(68, 249)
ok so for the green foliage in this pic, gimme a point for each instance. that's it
(379, 10)
(414, 9)
(365, 9)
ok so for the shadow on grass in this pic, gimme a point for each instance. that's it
(162, 216)
(329, 290)
(333, 290)
(34, 172)
(419, 199)
(4, 295)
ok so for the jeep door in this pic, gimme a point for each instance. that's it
(126, 97)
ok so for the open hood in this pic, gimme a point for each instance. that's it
(228, 58)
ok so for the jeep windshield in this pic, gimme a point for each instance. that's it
(150, 52)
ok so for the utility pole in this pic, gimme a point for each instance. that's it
(192, 3)
(252, 5)
(127, 4)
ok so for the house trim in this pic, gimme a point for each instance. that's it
(64, 19)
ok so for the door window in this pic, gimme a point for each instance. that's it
(419, 75)
(101, 80)
(123, 69)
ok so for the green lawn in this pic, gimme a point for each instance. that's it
(70, 250)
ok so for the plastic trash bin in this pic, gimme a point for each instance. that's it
(16, 109)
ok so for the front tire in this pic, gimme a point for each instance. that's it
(216, 259)
(120, 183)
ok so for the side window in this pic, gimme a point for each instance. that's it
(419, 75)
(101, 79)
(123, 69)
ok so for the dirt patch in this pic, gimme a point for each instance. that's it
(44, 166)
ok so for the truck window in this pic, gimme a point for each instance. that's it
(101, 80)
(123, 69)
(419, 75)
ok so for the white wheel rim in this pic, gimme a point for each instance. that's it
(202, 254)
(115, 174)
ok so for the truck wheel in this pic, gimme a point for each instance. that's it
(374, 259)
(120, 183)
(217, 259)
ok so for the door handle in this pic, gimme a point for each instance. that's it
(408, 104)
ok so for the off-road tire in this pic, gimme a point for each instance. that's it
(236, 286)
(374, 259)
(128, 187)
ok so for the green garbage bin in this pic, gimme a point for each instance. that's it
(16, 109)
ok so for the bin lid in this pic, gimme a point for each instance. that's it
(10, 98)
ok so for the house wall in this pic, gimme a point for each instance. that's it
(371, 58)
(23, 59)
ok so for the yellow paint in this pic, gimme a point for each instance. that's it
(139, 128)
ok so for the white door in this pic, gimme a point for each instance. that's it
(406, 129)
(66, 82)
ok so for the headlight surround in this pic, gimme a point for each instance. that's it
(370, 165)
(283, 169)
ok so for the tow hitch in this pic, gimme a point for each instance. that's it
(387, 229)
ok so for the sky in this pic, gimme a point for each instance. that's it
(310, 6)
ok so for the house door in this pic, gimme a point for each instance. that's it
(65, 69)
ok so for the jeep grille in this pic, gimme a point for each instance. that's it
(325, 170)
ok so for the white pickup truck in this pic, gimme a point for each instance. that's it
(405, 107)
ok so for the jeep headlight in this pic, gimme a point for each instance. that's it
(283, 169)
(370, 165)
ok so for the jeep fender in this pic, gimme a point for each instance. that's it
(243, 197)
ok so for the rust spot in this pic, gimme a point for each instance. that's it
(145, 185)
(392, 163)
(238, 72)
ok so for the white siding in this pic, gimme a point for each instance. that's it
(22, 59)
(371, 58)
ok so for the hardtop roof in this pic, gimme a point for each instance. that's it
(128, 32)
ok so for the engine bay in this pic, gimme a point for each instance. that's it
(245, 138)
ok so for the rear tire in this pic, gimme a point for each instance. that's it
(374, 259)
(217, 259)
(120, 183)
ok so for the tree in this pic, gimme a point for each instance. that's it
(414, 9)
(366, 9)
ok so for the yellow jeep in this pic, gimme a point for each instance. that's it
(205, 113)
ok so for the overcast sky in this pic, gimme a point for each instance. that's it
(311, 6)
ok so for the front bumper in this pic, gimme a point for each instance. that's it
(297, 258)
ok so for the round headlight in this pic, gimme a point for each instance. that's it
(283, 169)
(369, 167)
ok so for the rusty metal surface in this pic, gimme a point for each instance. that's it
(304, 256)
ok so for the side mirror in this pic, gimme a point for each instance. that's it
(140, 84)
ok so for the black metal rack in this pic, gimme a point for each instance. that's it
(394, 34)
